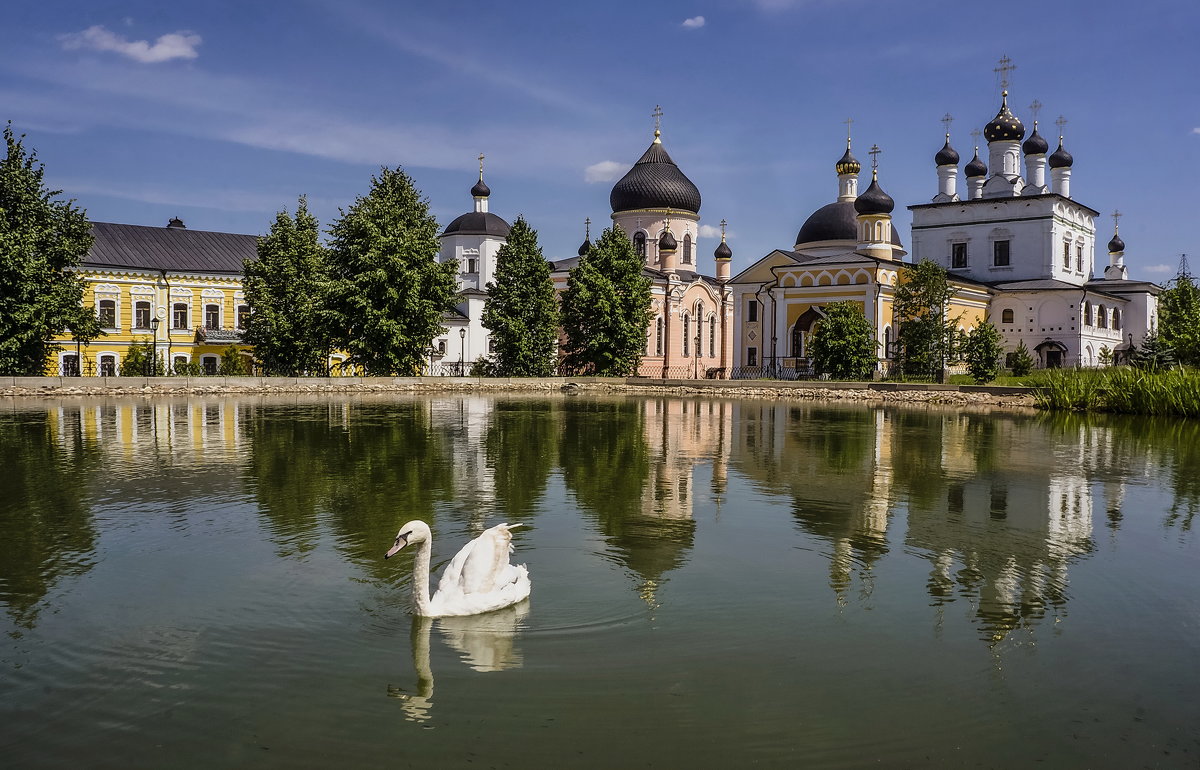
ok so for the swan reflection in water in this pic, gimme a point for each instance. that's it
(484, 642)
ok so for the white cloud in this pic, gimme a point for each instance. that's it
(696, 22)
(1158, 269)
(709, 231)
(175, 45)
(215, 198)
(604, 171)
(1196, 130)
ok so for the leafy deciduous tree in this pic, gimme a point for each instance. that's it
(521, 311)
(284, 288)
(843, 344)
(1179, 319)
(606, 308)
(982, 352)
(387, 291)
(41, 238)
(927, 336)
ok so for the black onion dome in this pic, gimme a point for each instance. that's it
(723, 251)
(585, 247)
(947, 156)
(1035, 144)
(478, 223)
(874, 200)
(835, 222)
(480, 190)
(1060, 158)
(667, 242)
(848, 164)
(655, 182)
(1116, 244)
(976, 167)
(1005, 126)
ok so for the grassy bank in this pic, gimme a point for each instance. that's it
(1122, 390)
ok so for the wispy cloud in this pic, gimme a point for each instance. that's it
(174, 45)
(709, 231)
(219, 199)
(696, 22)
(1158, 269)
(604, 171)
(1196, 130)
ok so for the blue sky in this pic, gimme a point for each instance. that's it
(224, 112)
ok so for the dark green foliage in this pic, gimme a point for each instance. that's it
(233, 363)
(1179, 319)
(387, 291)
(1022, 363)
(1155, 354)
(927, 337)
(188, 369)
(40, 240)
(285, 290)
(139, 360)
(521, 311)
(982, 352)
(606, 308)
(1121, 389)
(843, 344)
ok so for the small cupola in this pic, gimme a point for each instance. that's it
(176, 223)
(947, 156)
(1035, 144)
(1060, 158)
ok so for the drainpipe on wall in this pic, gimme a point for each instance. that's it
(169, 362)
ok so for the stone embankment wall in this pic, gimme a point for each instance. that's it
(965, 395)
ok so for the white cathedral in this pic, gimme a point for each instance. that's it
(1019, 250)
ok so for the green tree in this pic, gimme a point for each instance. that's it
(843, 344)
(387, 291)
(233, 363)
(1105, 356)
(982, 352)
(1022, 363)
(1155, 354)
(285, 290)
(1179, 318)
(606, 308)
(521, 311)
(139, 360)
(41, 239)
(927, 336)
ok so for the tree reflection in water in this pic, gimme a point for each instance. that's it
(47, 532)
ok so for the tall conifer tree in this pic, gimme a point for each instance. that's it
(388, 292)
(521, 311)
(606, 308)
(40, 240)
(284, 288)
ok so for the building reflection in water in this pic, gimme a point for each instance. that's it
(997, 504)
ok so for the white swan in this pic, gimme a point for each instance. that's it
(478, 579)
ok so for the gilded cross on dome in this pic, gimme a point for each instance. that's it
(657, 115)
(1116, 215)
(849, 122)
(1061, 122)
(947, 119)
(1005, 68)
(874, 153)
(1035, 108)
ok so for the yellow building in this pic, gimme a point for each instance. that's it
(177, 289)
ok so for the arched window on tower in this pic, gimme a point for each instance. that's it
(687, 332)
(712, 335)
(687, 249)
(1006, 315)
(639, 243)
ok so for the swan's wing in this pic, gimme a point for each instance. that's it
(485, 567)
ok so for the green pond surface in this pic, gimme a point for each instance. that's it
(199, 582)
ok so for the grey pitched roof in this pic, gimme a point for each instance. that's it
(174, 249)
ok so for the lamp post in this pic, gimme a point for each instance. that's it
(462, 352)
(154, 358)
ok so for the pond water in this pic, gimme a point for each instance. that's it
(200, 582)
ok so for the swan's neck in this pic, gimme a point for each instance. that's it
(421, 578)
